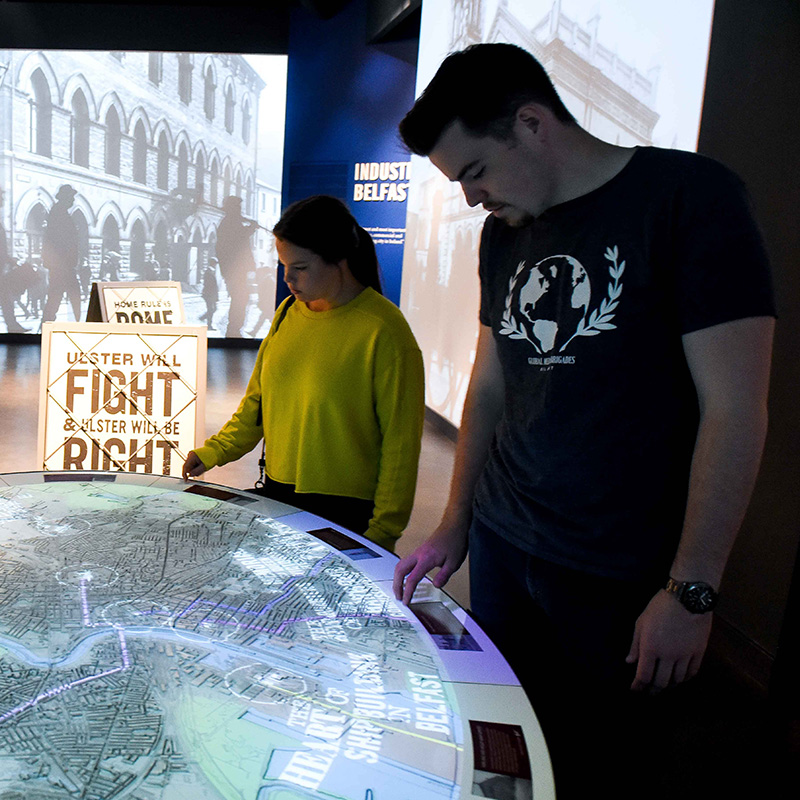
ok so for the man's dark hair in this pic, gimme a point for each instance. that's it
(482, 86)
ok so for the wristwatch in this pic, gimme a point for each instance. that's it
(695, 596)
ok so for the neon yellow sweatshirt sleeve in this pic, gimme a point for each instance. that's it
(244, 430)
(400, 409)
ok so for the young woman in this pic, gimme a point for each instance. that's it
(337, 388)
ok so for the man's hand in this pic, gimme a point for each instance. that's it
(446, 548)
(668, 642)
(193, 467)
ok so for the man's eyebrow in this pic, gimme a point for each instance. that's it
(466, 169)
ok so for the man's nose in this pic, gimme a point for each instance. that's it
(473, 195)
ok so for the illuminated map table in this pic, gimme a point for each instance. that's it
(162, 640)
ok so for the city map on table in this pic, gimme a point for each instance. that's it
(161, 645)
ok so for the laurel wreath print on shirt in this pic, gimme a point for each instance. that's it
(532, 311)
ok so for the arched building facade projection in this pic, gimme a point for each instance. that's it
(151, 142)
(608, 96)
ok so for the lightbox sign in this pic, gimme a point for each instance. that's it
(128, 398)
(156, 303)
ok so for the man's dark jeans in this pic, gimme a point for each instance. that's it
(566, 634)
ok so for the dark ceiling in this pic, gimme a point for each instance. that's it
(231, 26)
(221, 26)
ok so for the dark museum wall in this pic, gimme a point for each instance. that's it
(751, 120)
(345, 98)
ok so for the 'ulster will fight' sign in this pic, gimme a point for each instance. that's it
(122, 398)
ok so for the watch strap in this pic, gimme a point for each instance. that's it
(674, 587)
(698, 597)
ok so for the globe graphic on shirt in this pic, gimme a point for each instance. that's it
(553, 297)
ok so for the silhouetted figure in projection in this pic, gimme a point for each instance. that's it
(21, 280)
(6, 299)
(151, 268)
(85, 277)
(30, 279)
(109, 269)
(235, 260)
(210, 292)
(266, 298)
(60, 256)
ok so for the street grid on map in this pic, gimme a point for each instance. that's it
(161, 644)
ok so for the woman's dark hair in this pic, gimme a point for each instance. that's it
(482, 86)
(324, 225)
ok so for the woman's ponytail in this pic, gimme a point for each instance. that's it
(364, 261)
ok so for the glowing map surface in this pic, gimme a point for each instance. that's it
(158, 644)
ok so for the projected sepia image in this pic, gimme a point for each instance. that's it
(137, 166)
(631, 73)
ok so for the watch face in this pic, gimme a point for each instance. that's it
(699, 597)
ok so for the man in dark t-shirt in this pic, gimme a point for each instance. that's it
(616, 413)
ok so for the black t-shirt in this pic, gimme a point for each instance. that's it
(590, 463)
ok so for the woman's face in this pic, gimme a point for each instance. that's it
(310, 279)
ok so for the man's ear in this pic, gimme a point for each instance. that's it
(530, 116)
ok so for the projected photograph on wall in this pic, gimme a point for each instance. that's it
(631, 73)
(140, 166)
